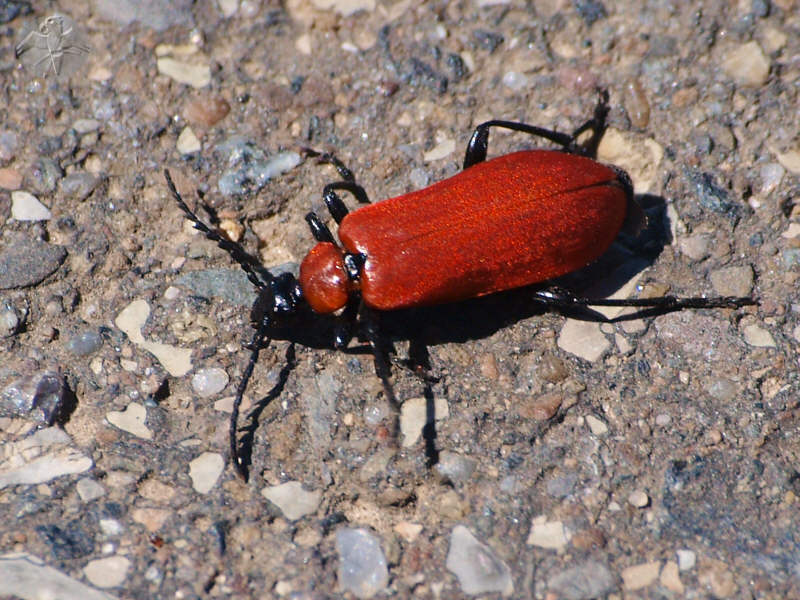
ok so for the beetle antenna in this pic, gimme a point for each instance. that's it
(256, 273)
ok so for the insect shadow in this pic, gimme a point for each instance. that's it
(470, 320)
(553, 212)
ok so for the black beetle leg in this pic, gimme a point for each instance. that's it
(334, 203)
(345, 325)
(558, 298)
(479, 142)
(319, 230)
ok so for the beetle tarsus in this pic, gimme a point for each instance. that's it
(330, 159)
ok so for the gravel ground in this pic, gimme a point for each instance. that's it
(645, 458)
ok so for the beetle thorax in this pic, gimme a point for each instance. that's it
(323, 278)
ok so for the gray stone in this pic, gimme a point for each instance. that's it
(590, 579)
(26, 262)
(362, 565)
(478, 568)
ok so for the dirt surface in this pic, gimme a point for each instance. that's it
(647, 458)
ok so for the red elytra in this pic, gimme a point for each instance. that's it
(508, 222)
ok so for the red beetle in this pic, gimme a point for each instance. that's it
(515, 220)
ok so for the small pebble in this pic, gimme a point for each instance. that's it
(10, 319)
(26, 207)
(195, 75)
(345, 7)
(515, 81)
(8, 144)
(80, 185)
(539, 408)
(85, 343)
(590, 579)
(695, 246)
(209, 382)
(551, 369)
(233, 230)
(107, 572)
(596, 426)
(413, 416)
(670, 578)
(640, 576)
(10, 178)
(419, 178)
(205, 470)
(455, 467)
(206, 111)
(45, 174)
(733, 281)
(408, 531)
(547, 534)
(442, 150)
(157, 491)
(757, 336)
(84, 126)
(639, 499)
(187, 142)
(583, 339)
(132, 420)
(478, 569)
(663, 419)
(110, 527)
(231, 285)
(228, 8)
(789, 160)
(771, 175)
(719, 579)
(747, 64)
(88, 489)
(636, 104)
(292, 500)
(641, 158)
(723, 389)
(177, 361)
(686, 559)
(362, 565)
(38, 397)
(152, 519)
(561, 486)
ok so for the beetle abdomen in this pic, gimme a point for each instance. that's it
(512, 221)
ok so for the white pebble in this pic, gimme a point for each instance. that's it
(293, 501)
(209, 382)
(26, 207)
(205, 470)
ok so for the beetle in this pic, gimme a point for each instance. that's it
(515, 220)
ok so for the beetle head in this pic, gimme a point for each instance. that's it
(278, 299)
